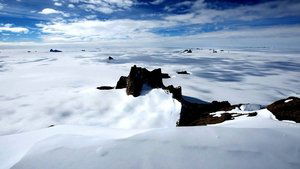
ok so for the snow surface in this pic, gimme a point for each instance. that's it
(256, 142)
(39, 89)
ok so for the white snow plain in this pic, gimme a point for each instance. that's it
(39, 89)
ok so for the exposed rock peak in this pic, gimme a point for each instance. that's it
(193, 114)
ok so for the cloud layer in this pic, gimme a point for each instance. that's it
(137, 20)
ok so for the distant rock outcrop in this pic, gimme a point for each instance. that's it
(105, 88)
(188, 51)
(286, 109)
(110, 58)
(55, 50)
(183, 72)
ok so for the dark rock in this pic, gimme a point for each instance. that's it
(176, 92)
(252, 114)
(110, 58)
(55, 50)
(188, 51)
(165, 76)
(83, 50)
(183, 72)
(192, 113)
(29, 51)
(214, 51)
(212, 120)
(105, 88)
(286, 109)
(222, 50)
(122, 83)
(52, 125)
(138, 77)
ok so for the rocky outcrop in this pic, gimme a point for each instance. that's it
(183, 72)
(188, 51)
(286, 109)
(165, 76)
(122, 83)
(105, 88)
(194, 114)
(55, 50)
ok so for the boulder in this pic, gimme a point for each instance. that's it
(286, 109)
(110, 58)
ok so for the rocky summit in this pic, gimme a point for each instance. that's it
(195, 114)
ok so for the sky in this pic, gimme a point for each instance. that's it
(256, 23)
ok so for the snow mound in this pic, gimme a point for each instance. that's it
(208, 147)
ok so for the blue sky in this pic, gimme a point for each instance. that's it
(195, 22)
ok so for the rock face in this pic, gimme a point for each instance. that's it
(122, 83)
(193, 114)
(138, 77)
(286, 109)
(55, 50)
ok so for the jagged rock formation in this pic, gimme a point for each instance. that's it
(138, 78)
(188, 51)
(286, 109)
(194, 114)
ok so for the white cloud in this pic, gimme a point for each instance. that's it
(58, 4)
(89, 30)
(71, 6)
(91, 7)
(157, 2)
(201, 14)
(10, 28)
(104, 6)
(1, 6)
(48, 11)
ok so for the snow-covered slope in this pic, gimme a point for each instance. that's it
(267, 144)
